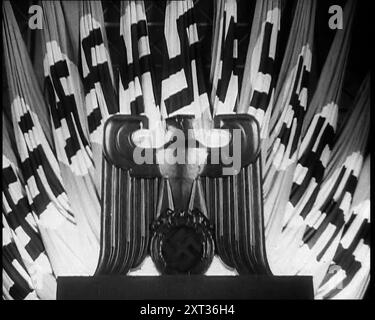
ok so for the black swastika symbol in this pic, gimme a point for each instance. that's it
(182, 249)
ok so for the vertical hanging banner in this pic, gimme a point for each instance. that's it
(326, 220)
(70, 130)
(258, 84)
(40, 169)
(287, 119)
(17, 283)
(182, 89)
(98, 82)
(27, 272)
(321, 120)
(318, 133)
(224, 69)
(317, 240)
(349, 273)
(136, 88)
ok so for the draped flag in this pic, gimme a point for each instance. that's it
(17, 284)
(314, 245)
(349, 273)
(98, 82)
(258, 84)
(318, 134)
(70, 132)
(27, 273)
(224, 69)
(182, 89)
(287, 119)
(330, 212)
(40, 170)
(136, 88)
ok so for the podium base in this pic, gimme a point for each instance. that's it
(182, 287)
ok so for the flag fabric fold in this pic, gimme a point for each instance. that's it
(26, 266)
(70, 132)
(183, 90)
(318, 131)
(98, 79)
(136, 93)
(224, 65)
(258, 84)
(286, 121)
(41, 175)
(311, 245)
(349, 272)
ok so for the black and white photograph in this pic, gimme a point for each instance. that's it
(200, 151)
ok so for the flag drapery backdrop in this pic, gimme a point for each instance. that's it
(316, 164)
